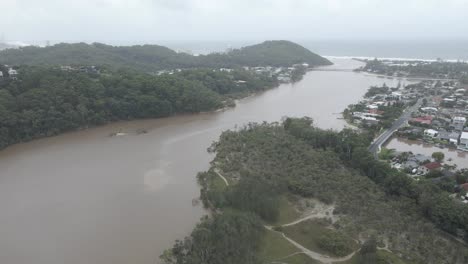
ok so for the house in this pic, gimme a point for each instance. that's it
(429, 110)
(370, 120)
(430, 133)
(423, 120)
(12, 73)
(464, 140)
(450, 137)
(458, 123)
(1, 74)
(423, 170)
(432, 166)
(410, 165)
(449, 102)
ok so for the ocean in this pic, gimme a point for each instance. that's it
(408, 49)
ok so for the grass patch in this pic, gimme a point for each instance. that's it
(275, 247)
(287, 212)
(315, 236)
(300, 259)
(383, 257)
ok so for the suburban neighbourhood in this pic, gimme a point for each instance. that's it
(431, 108)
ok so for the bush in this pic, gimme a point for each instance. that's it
(335, 243)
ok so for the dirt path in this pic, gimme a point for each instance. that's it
(216, 170)
(320, 210)
(312, 254)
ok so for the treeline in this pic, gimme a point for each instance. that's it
(45, 101)
(440, 69)
(151, 58)
(432, 201)
(228, 238)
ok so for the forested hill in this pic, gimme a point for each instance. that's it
(153, 57)
(276, 53)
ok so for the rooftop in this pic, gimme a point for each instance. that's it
(433, 165)
(423, 119)
(464, 135)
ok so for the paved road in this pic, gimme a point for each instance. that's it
(377, 144)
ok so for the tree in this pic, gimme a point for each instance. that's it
(438, 156)
(462, 176)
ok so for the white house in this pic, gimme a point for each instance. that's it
(464, 140)
(370, 120)
(12, 73)
(459, 120)
(431, 110)
(1, 74)
(430, 133)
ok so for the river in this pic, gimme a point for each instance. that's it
(87, 198)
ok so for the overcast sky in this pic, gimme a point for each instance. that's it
(139, 21)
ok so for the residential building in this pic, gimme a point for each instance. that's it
(423, 120)
(410, 165)
(429, 110)
(451, 137)
(430, 133)
(458, 123)
(1, 74)
(428, 167)
(12, 73)
(464, 140)
(370, 120)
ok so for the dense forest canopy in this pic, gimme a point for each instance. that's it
(46, 101)
(152, 58)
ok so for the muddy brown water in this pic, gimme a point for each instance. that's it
(452, 156)
(84, 197)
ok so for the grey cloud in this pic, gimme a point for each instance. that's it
(139, 21)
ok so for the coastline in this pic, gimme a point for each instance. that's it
(389, 58)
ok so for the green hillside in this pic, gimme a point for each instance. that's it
(276, 53)
(154, 57)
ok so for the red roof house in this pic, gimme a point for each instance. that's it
(427, 120)
(433, 165)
